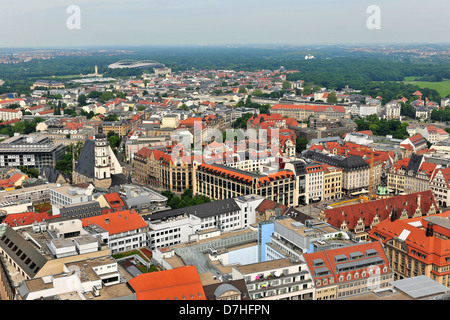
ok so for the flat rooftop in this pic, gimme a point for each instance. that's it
(265, 266)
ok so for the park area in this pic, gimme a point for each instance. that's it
(442, 87)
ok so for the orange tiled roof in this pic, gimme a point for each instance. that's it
(382, 207)
(431, 250)
(315, 108)
(114, 200)
(329, 260)
(26, 218)
(117, 222)
(182, 283)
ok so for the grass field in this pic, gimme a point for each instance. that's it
(442, 87)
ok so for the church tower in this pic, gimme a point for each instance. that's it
(102, 164)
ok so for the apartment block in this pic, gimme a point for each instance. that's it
(281, 279)
(349, 271)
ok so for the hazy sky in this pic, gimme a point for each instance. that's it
(42, 23)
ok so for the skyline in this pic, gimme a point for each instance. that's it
(128, 23)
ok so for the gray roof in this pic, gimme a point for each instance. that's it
(13, 244)
(346, 163)
(203, 210)
(414, 163)
(420, 286)
(86, 160)
(91, 208)
(299, 167)
(224, 287)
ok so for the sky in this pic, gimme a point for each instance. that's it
(44, 23)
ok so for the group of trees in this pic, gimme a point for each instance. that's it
(383, 127)
(441, 114)
(101, 96)
(65, 164)
(23, 127)
(187, 199)
(114, 141)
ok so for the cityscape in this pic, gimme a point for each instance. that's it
(240, 173)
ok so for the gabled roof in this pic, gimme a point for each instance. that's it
(382, 207)
(114, 200)
(332, 263)
(26, 218)
(430, 249)
(181, 283)
(117, 222)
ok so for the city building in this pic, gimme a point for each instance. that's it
(30, 152)
(93, 279)
(355, 170)
(66, 195)
(411, 174)
(229, 290)
(440, 185)
(172, 227)
(349, 271)
(415, 143)
(97, 164)
(303, 112)
(120, 127)
(10, 114)
(332, 178)
(417, 246)
(182, 283)
(298, 167)
(314, 182)
(393, 110)
(120, 230)
(221, 182)
(281, 279)
(360, 218)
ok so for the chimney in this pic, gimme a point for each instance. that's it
(277, 212)
(394, 214)
(429, 230)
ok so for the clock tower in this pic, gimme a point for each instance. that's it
(102, 164)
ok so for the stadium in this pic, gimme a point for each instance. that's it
(134, 64)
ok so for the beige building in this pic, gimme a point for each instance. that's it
(120, 127)
(170, 121)
(221, 182)
(303, 112)
(158, 169)
(393, 110)
(332, 182)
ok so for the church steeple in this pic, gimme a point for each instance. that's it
(102, 162)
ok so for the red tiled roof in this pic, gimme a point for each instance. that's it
(330, 261)
(315, 108)
(117, 222)
(431, 250)
(382, 207)
(26, 218)
(9, 110)
(114, 200)
(182, 283)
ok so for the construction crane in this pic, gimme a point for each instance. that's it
(371, 195)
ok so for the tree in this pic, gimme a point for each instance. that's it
(82, 100)
(332, 97)
(300, 144)
(286, 85)
(105, 96)
(112, 117)
(242, 89)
